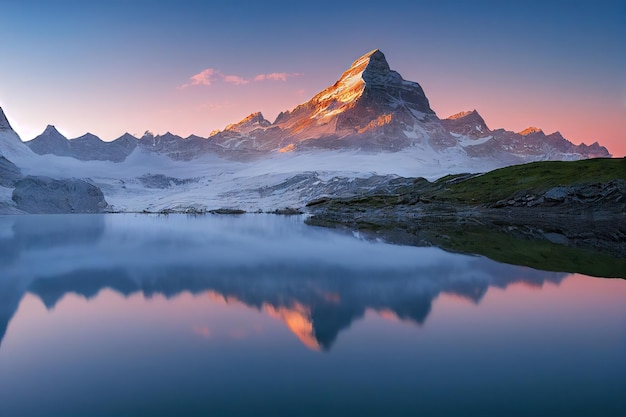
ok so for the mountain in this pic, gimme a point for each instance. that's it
(467, 123)
(372, 108)
(9, 173)
(11, 146)
(86, 147)
(51, 141)
(249, 124)
(90, 147)
(530, 144)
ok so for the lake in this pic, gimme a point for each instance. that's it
(262, 315)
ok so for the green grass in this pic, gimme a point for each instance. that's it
(537, 254)
(532, 178)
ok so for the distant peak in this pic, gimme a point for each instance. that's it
(50, 128)
(148, 134)
(530, 130)
(89, 136)
(468, 123)
(4, 122)
(249, 123)
(254, 117)
(463, 114)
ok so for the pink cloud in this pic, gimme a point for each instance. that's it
(211, 75)
(205, 77)
(235, 79)
(275, 76)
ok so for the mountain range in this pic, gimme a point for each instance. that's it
(368, 127)
(370, 108)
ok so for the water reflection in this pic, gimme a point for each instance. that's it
(317, 281)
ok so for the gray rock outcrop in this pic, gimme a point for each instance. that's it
(9, 173)
(46, 195)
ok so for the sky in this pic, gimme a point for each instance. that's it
(190, 67)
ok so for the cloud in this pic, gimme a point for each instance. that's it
(206, 77)
(211, 75)
(276, 76)
(235, 79)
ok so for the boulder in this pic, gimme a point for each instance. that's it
(39, 195)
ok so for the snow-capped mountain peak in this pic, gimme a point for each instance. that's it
(370, 78)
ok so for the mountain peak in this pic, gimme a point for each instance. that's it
(468, 123)
(249, 123)
(368, 91)
(50, 129)
(371, 64)
(127, 135)
(370, 69)
(463, 114)
(530, 130)
(4, 122)
(88, 137)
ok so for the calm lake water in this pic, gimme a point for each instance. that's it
(135, 315)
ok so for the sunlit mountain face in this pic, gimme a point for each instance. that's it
(278, 266)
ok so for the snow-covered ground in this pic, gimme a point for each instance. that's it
(274, 182)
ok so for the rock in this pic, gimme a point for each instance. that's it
(9, 173)
(557, 238)
(227, 211)
(46, 195)
(556, 194)
(162, 181)
(288, 211)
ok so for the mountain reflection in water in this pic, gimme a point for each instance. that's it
(317, 281)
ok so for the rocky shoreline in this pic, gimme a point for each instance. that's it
(583, 225)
